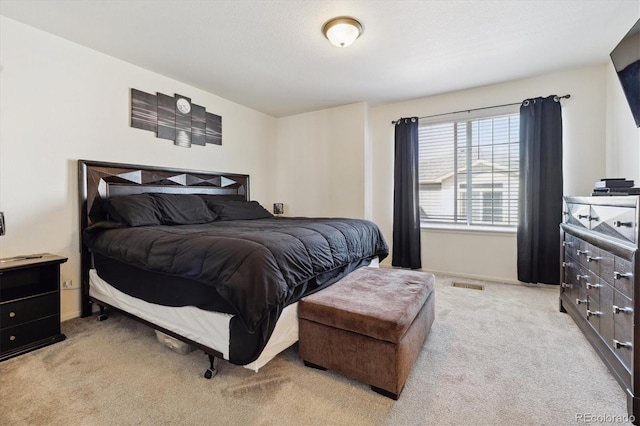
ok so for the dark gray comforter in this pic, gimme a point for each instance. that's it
(254, 265)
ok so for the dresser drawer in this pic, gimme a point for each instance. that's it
(584, 251)
(580, 290)
(606, 329)
(594, 313)
(622, 311)
(569, 246)
(622, 345)
(623, 276)
(29, 309)
(617, 222)
(25, 334)
(568, 276)
(606, 266)
(606, 318)
(579, 214)
(606, 297)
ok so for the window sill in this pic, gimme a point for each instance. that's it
(474, 229)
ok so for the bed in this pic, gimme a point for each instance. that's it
(224, 278)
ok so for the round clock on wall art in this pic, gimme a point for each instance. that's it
(183, 105)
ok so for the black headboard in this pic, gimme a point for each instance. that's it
(99, 180)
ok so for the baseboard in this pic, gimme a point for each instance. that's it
(69, 315)
(477, 277)
(490, 279)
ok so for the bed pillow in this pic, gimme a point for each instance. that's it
(239, 210)
(183, 209)
(211, 200)
(135, 210)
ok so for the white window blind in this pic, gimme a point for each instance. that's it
(468, 169)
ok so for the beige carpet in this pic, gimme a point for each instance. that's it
(501, 356)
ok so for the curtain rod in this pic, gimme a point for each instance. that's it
(555, 98)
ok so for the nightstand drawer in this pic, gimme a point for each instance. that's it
(31, 332)
(29, 309)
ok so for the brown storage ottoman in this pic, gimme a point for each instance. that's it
(369, 326)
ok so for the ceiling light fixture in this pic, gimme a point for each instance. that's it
(342, 31)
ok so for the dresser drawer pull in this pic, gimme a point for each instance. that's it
(593, 259)
(618, 275)
(12, 314)
(619, 224)
(594, 218)
(579, 252)
(566, 285)
(583, 216)
(593, 313)
(582, 277)
(618, 344)
(567, 244)
(590, 286)
(619, 310)
(12, 338)
(567, 265)
(581, 301)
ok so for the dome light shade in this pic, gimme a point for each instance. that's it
(342, 31)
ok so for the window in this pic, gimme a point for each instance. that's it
(469, 169)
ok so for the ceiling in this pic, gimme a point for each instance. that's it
(270, 55)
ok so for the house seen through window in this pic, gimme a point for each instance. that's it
(468, 169)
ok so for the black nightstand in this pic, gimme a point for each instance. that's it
(29, 303)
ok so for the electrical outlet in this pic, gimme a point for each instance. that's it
(67, 285)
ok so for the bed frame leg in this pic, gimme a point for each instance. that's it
(102, 316)
(211, 371)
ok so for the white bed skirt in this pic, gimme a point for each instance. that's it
(208, 328)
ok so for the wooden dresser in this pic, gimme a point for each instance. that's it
(599, 282)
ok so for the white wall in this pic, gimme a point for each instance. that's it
(493, 255)
(62, 102)
(623, 137)
(321, 158)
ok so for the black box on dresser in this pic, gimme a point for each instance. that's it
(29, 303)
(599, 285)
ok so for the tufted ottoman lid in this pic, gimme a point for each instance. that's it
(376, 302)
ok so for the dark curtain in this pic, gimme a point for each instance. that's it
(540, 203)
(406, 203)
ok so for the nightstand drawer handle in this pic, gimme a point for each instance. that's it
(618, 344)
(618, 275)
(593, 259)
(593, 313)
(581, 301)
(590, 286)
(582, 277)
(579, 252)
(625, 310)
(567, 244)
(566, 285)
(584, 216)
(567, 265)
(12, 314)
(12, 338)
